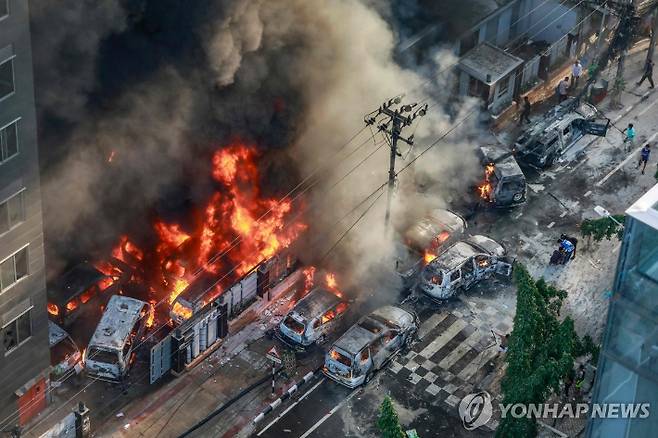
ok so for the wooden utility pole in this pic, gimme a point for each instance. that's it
(391, 119)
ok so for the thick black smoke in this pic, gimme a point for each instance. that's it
(159, 84)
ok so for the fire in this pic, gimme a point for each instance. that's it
(428, 256)
(181, 310)
(309, 278)
(330, 279)
(105, 283)
(84, 355)
(151, 314)
(236, 229)
(71, 305)
(53, 309)
(486, 188)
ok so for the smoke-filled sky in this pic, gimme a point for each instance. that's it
(162, 83)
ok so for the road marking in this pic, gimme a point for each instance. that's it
(291, 406)
(578, 165)
(331, 412)
(589, 192)
(461, 350)
(477, 363)
(630, 157)
(551, 225)
(443, 339)
(616, 119)
(564, 213)
(431, 322)
(644, 111)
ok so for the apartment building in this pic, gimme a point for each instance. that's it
(24, 352)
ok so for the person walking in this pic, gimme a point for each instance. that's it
(576, 73)
(525, 112)
(562, 90)
(644, 157)
(648, 73)
(629, 141)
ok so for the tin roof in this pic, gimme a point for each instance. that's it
(73, 282)
(117, 322)
(487, 60)
(315, 303)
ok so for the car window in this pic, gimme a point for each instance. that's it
(365, 354)
(455, 275)
(377, 345)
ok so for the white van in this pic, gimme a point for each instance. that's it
(312, 318)
(111, 349)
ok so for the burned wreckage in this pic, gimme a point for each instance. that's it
(461, 266)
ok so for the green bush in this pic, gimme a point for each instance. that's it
(603, 228)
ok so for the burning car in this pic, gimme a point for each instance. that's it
(369, 345)
(544, 142)
(462, 265)
(64, 353)
(424, 239)
(312, 319)
(112, 347)
(504, 183)
(73, 290)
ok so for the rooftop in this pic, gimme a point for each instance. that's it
(645, 209)
(117, 322)
(488, 63)
(316, 302)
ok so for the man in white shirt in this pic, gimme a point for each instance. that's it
(576, 72)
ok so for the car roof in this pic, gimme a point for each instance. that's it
(456, 254)
(73, 282)
(55, 334)
(419, 235)
(315, 303)
(117, 322)
(369, 328)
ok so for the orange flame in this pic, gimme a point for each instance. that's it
(151, 318)
(428, 256)
(53, 309)
(309, 278)
(486, 188)
(184, 312)
(179, 286)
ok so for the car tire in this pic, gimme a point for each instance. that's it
(517, 197)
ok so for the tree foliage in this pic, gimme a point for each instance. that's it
(388, 422)
(541, 350)
(603, 228)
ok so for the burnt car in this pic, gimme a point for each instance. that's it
(462, 265)
(312, 319)
(505, 183)
(73, 290)
(369, 345)
(424, 239)
(64, 353)
(544, 142)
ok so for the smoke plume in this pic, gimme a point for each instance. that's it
(134, 95)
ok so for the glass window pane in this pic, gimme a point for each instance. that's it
(4, 218)
(7, 277)
(21, 263)
(24, 325)
(10, 139)
(6, 78)
(4, 8)
(8, 337)
(16, 210)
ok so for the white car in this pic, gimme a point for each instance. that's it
(462, 265)
(369, 344)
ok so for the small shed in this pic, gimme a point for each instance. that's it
(488, 72)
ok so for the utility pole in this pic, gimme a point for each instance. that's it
(391, 119)
(627, 13)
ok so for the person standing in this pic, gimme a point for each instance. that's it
(644, 157)
(576, 73)
(525, 112)
(629, 141)
(562, 90)
(648, 73)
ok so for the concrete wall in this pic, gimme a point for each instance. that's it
(550, 21)
(22, 172)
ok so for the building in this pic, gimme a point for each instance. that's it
(24, 352)
(628, 366)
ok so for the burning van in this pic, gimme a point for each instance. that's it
(463, 265)
(112, 347)
(504, 183)
(369, 345)
(424, 239)
(312, 319)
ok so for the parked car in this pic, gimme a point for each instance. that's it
(369, 345)
(424, 239)
(112, 347)
(505, 183)
(312, 319)
(463, 265)
(560, 128)
(64, 353)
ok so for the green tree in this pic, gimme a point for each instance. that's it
(603, 228)
(388, 422)
(541, 350)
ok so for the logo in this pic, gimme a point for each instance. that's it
(475, 410)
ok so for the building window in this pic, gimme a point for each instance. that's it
(12, 212)
(16, 332)
(6, 78)
(8, 141)
(4, 8)
(13, 269)
(503, 87)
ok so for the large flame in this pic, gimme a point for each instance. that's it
(237, 230)
(486, 187)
